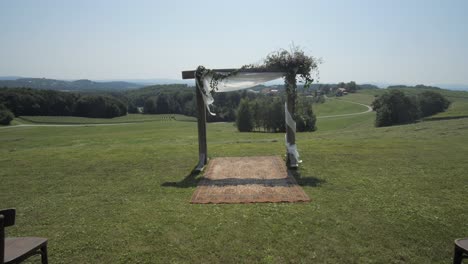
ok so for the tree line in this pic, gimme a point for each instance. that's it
(395, 107)
(180, 99)
(267, 110)
(26, 101)
(157, 99)
(162, 99)
(267, 114)
(252, 111)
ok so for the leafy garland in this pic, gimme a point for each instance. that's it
(292, 63)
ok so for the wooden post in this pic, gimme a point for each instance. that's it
(290, 134)
(202, 147)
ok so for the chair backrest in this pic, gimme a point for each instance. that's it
(7, 218)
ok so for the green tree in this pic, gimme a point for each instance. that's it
(256, 114)
(162, 104)
(100, 107)
(244, 120)
(277, 117)
(351, 87)
(432, 103)
(5, 115)
(132, 108)
(305, 117)
(150, 106)
(394, 108)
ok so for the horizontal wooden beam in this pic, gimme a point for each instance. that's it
(191, 74)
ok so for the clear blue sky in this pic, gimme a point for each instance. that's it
(366, 41)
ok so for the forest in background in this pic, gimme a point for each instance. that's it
(263, 108)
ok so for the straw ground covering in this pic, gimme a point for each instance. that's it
(258, 179)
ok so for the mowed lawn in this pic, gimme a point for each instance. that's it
(130, 118)
(120, 194)
(337, 106)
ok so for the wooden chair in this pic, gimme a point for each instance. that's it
(17, 249)
(461, 250)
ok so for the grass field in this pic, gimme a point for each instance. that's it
(335, 106)
(120, 194)
(340, 106)
(458, 108)
(130, 118)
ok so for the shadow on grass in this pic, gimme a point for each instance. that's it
(190, 180)
(445, 118)
(310, 181)
(282, 182)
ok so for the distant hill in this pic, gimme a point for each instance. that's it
(419, 86)
(147, 82)
(417, 89)
(141, 94)
(10, 77)
(129, 84)
(79, 85)
(457, 87)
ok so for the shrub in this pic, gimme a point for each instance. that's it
(305, 117)
(150, 106)
(244, 119)
(100, 107)
(132, 108)
(305, 123)
(5, 116)
(432, 103)
(395, 108)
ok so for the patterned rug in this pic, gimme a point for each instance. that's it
(248, 180)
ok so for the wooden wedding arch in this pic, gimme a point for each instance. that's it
(291, 161)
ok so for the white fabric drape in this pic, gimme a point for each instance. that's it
(236, 82)
(291, 148)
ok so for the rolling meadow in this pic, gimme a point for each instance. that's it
(120, 193)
